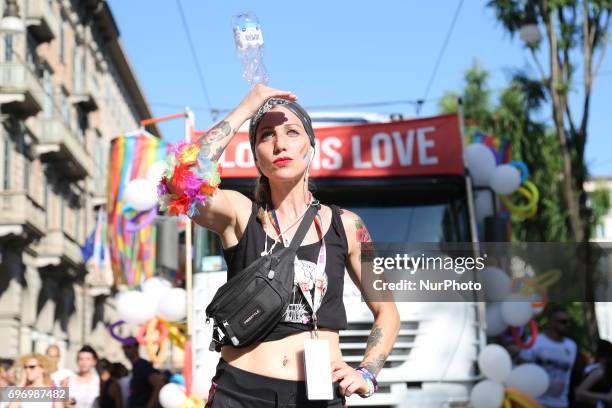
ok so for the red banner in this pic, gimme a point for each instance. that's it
(420, 147)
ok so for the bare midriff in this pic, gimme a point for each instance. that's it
(283, 359)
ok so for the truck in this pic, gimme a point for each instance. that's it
(406, 179)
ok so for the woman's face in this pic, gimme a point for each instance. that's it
(33, 370)
(282, 145)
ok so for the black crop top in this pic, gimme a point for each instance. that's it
(298, 316)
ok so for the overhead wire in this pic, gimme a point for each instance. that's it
(440, 55)
(194, 55)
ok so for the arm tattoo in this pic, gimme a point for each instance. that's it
(220, 131)
(375, 366)
(374, 338)
(363, 235)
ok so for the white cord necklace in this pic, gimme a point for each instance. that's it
(282, 232)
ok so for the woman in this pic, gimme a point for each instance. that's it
(110, 390)
(595, 391)
(271, 373)
(84, 386)
(36, 373)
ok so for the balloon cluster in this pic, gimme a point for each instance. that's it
(509, 180)
(141, 198)
(158, 310)
(505, 386)
(514, 302)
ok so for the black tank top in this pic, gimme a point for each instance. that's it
(298, 316)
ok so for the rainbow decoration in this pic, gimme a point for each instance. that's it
(132, 251)
(194, 176)
(500, 146)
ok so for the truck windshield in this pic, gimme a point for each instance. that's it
(445, 222)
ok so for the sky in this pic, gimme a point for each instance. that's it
(336, 52)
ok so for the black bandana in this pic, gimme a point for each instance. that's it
(292, 106)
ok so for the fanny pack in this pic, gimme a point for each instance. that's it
(248, 306)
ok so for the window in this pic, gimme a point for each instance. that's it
(48, 95)
(62, 41)
(6, 173)
(27, 170)
(77, 223)
(82, 122)
(46, 200)
(65, 107)
(8, 48)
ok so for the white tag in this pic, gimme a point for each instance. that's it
(317, 362)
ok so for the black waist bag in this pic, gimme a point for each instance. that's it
(247, 307)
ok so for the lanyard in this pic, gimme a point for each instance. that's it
(319, 280)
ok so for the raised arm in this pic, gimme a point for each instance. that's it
(386, 317)
(219, 213)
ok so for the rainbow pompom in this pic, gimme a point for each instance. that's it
(195, 179)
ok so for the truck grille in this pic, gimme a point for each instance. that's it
(354, 339)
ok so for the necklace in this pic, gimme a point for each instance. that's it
(280, 232)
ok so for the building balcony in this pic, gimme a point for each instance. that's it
(86, 94)
(20, 90)
(20, 216)
(59, 145)
(56, 248)
(40, 20)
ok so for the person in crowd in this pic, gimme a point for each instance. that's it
(84, 386)
(110, 391)
(146, 381)
(36, 372)
(7, 372)
(595, 390)
(271, 372)
(58, 374)
(124, 379)
(556, 353)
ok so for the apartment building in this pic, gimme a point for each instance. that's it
(66, 89)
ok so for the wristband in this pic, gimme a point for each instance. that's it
(370, 379)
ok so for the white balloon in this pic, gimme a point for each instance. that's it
(135, 307)
(487, 394)
(141, 194)
(505, 179)
(495, 362)
(156, 288)
(531, 379)
(497, 284)
(156, 171)
(171, 396)
(516, 310)
(483, 203)
(495, 322)
(481, 162)
(173, 306)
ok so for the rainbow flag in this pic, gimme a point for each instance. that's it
(132, 254)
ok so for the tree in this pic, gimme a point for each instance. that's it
(511, 115)
(532, 142)
(575, 30)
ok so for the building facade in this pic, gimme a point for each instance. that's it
(66, 89)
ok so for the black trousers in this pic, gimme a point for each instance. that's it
(235, 388)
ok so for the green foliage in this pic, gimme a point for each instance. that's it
(532, 142)
(600, 206)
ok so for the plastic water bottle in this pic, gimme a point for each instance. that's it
(248, 38)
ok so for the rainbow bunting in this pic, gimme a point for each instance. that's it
(132, 254)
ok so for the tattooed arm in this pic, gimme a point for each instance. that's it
(386, 317)
(222, 213)
(218, 137)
